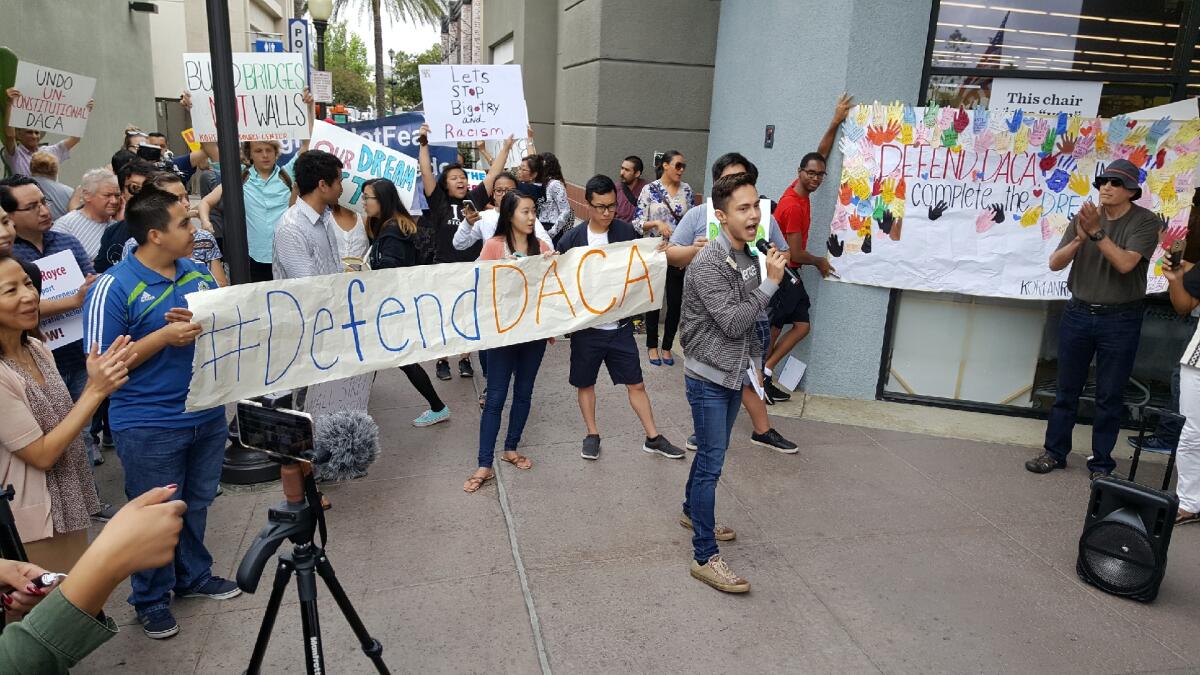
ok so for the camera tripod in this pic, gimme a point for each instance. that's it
(297, 520)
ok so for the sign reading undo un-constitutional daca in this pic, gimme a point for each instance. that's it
(272, 336)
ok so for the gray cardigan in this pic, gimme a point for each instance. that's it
(719, 315)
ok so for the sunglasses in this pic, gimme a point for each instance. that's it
(1115, 182)
(680, 166)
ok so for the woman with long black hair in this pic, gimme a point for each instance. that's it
(554, 211)
(660, 207)
(519, 364)
(391, 230)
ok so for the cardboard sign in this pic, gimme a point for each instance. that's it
(61, 277)
(269, 96)
(974, 201)
(322, 86)
(1045, 97)
(51, 100)
(362, 160)
(473, 103)
(475, 177)
(278, 335)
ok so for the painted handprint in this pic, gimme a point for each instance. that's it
(931, 114)
(1074, 123)
(889, 190)
(988, 218)
(1137, 135)
(906, 133)
(936, 211)
(1157, 131)
(950, 138)
(961, 120)
(979, 119)
(880, 209)
(862, 113)
(852, 129)
(1062, 173)
(1037, 133)
(1021, 140)
(1167, 191)
(881, 135)
(983, 139)
(1030, 217)
(878, 114)
(1118, 129)
(1066, 144)
(1084, 146)
(1002, 142)
(1014, 122)
(901, 189)
(834, 244)
(885, 223)
(921, 134)
(866, 243)
(895, 112)
(1079, 184)
(945, 118)
(862, 189)
(848, 147)
(1185, 181)
(1047, 162)
(1140, 156)
(845, 194)
(841, 220)
(910, 115)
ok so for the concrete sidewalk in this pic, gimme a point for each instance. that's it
(870, 551)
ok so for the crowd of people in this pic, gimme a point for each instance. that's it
(738, 312)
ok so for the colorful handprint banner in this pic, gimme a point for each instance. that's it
(954, 200)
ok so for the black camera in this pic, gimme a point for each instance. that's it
(163, 160)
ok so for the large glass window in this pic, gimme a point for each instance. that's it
(970, 350)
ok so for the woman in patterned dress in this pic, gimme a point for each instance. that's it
(660, 206)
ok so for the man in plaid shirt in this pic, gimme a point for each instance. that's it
(723, 294)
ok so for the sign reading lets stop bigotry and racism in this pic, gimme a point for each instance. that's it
(967, 201)
(51, 100)
(363, 160)
(473, 103)
(278, 335)
(269, 96)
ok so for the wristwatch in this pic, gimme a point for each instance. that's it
(1100, 234)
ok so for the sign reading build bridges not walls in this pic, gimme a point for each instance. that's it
(967, 201)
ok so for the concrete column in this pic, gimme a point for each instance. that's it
(785, 62)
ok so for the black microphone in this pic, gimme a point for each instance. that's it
(761, 245)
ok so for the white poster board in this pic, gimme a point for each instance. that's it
(51, 100)
(61, 277)
(269, 89)
(364, 159)
(473, 103)
(322, 86)
(974, 201)
(278, 335)
(1045, 97)
(475, 177)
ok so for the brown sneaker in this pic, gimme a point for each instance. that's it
(720, 532)
(716, 573)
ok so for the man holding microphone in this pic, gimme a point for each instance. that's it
(723, 296)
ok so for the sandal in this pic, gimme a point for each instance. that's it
(517, 460)
(475, 482)
(1183, 518)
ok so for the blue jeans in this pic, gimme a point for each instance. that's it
(518, 364)
(1113, 340)
(191, 458)
(76, 380)
(714, 408)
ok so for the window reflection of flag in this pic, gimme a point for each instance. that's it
(972, 89)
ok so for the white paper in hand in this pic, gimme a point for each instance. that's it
(752, 373)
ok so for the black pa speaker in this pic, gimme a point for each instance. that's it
(1123, 549)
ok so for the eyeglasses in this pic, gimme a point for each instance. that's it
(680, 166)
(816, 174)
(1115, 182)
(604, 208)
(35, 206)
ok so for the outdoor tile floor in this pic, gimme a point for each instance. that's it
(870, 551)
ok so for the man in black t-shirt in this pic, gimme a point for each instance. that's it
(1109, 250)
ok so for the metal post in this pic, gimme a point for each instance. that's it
(233, 208)
(241, 465)
(320, 25)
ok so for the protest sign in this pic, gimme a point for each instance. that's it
(322, 86)
(963, 201)
(61, 277)
(189, 137)
(475, 177)
(362, 160)
(473, 102)
(1045, 97)
(269, 96)
(51, 100)
(278, 335)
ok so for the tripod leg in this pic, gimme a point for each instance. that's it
(283, 574)
(370, 646)
(314, 654)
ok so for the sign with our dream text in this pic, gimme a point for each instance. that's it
(976, 201)
(473, 102)
(363, 160)
(51, 100)
(269, 96)
(277, 335)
